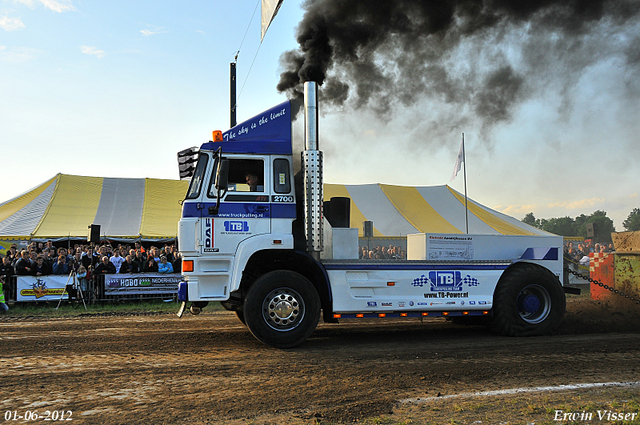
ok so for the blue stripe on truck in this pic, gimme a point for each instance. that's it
(239, 210)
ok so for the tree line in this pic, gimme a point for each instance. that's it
(567, 226)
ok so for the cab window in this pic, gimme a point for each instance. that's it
(245, 175)
(281, 176)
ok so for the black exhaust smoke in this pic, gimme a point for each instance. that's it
(379, 53)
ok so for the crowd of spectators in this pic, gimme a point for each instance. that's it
(43, 258)
(391, 252)
(579, 251)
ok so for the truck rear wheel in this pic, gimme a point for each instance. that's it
(282, 309)
(528, 301)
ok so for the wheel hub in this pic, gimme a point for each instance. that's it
(534, 304)
(283, 309)
(530, 303)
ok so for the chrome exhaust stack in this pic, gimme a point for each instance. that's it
(312, 160)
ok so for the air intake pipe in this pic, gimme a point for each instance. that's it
(312, 160)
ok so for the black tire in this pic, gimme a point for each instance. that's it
(528, 301)
(282, 309)
(240, 315)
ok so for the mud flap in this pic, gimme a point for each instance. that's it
(182, 308)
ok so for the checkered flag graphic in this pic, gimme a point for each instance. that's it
(471, 281)
(421, 281)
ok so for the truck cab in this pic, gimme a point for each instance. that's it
(222, 227)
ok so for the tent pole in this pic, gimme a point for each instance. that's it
(466, 209)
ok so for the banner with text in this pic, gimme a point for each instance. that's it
(141, 284)
(41, 288)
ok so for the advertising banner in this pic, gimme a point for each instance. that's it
(41, 288)
(141, 284)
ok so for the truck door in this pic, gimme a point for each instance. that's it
(244, 208)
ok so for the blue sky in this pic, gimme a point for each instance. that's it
(117, 88)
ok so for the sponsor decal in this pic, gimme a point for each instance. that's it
(208, 239)
(423, 303)
(447, 295)
(445, 281)
(372, 304)
(482, 302)
(410, 303)
(450, 302)
(402, 304)
(387, 304)
(436, 303)
(236, 226)
(461, 302)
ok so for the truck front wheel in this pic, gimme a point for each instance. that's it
(282, 309)
(528, 301)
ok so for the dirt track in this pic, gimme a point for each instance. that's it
(209, 369)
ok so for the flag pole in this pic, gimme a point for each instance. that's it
(466, 209)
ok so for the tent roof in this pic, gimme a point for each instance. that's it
(400, 210)
(66, 205)
(149, 209)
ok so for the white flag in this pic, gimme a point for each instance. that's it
(269, 11)
(459, 161)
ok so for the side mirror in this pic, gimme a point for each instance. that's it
(222, 175)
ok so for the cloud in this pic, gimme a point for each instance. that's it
(17, 54)
(55, 5)
(92, 50)
(577, 205)
(152, 30)
(10, 24)
(58, 5)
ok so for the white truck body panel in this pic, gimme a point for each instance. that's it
(461, 247)
(417, 289)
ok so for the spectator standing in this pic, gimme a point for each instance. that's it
(12, 253)
(105, 267)
(177, 263)
(117, 260)
(23, 265)
(87, 257)
(6, 269)
(61, 266)
(129, 266)
(77, 261)
(50, 257)
(81, 276)
(150, 266)
(41, 268)
(164, 266)
(140, 258)
(155, 254)
(139, 247)
(33, 257)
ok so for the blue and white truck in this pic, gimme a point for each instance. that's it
(253, 237)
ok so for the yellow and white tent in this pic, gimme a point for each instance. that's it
(401, 210)
(149, 209)
(65, 206)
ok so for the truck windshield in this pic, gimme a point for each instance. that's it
(198, 177)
